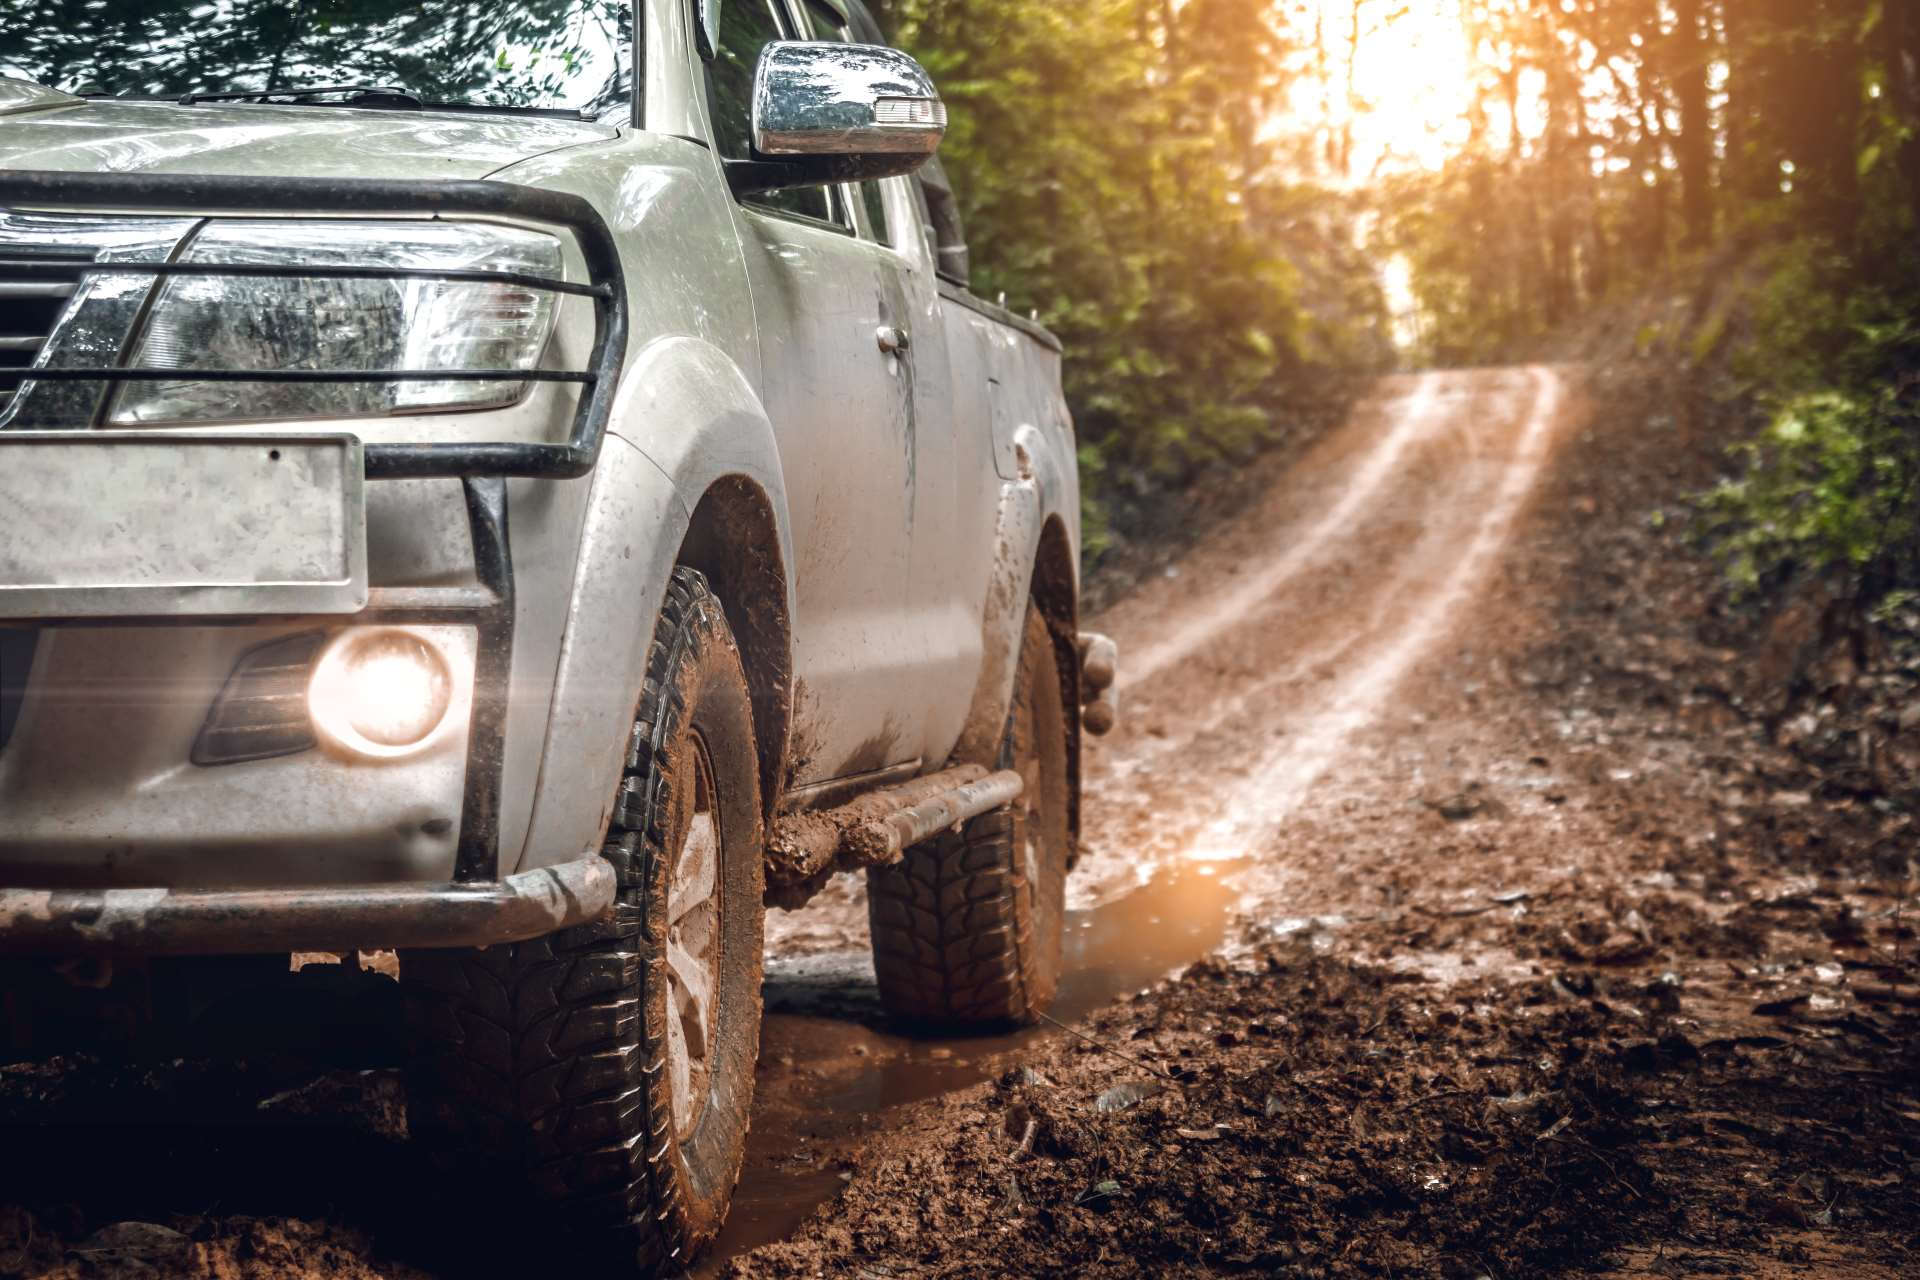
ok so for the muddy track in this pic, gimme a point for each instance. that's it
(1352, 726)
(1430, 755)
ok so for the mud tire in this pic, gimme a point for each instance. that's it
(544, 1065)
(967, 930)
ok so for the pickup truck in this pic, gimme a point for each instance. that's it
(521, 488)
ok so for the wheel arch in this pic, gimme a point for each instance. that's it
(734, 541)
(1055, 593)
(690, 475)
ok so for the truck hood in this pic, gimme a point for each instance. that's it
(278, 141)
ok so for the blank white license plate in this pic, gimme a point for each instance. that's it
(116, 525)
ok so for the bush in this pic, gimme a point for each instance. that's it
(1832, 483)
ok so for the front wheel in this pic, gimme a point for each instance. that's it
(612, 1066)
(967, 928)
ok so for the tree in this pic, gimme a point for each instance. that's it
(1694, 147)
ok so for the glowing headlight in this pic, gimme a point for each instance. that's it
(295, 323)
(381, 693)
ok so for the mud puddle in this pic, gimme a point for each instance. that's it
(832, 1066)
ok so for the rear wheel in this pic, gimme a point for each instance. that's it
(612, 1066)
(967, 928)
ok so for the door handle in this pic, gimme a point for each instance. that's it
(893, 341)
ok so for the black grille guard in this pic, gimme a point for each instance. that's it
(483, 468)
(41, 191)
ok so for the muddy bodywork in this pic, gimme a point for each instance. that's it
(870, 517)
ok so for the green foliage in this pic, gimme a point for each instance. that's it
(1801, 326)
(1113, 181)
(1683, 140)
(1832, 483)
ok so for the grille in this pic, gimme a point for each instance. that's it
(28, 309)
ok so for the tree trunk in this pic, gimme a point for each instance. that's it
(1832, 139)
(1653, 224)
(1564, 130)
(1323, 69)
(1597, 275)
(1903, 64)
(1353, 90)
(1807, 61)
(1694, 147)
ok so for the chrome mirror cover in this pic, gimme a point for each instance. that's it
(824, 99)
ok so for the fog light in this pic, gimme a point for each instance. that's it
(383, 694)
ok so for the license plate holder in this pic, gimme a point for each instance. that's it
(157, 525)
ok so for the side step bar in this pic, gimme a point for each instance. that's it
(877, 829)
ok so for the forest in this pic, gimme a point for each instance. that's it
(1227, 207)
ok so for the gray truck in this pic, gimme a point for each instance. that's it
(523, 487)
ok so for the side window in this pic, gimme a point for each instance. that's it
(823, 23)
(949, 235)
(876, 202)
(747, 27)
(927, 233)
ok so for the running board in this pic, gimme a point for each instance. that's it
(877, 829)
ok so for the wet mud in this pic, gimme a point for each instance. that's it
(1441, 913)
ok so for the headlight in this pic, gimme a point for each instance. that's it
(281, 323)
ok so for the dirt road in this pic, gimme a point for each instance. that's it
(1526, 951)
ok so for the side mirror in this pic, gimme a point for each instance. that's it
(825, 113)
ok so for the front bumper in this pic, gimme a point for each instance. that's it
(159, 922)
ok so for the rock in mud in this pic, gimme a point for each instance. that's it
(134, 1248)
(1467, 805)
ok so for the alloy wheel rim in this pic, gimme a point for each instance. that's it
(1029, 830)
(693, 951)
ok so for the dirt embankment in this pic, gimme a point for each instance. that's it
(1560, 952)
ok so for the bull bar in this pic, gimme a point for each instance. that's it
(478, 908)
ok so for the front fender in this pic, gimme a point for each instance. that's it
(695, 415)
(686, 419)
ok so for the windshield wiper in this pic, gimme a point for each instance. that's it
(361, 95)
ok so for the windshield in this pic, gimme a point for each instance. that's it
(569, 55)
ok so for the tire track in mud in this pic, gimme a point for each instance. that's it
(1416, 419)
(1214, 788)
(1283, 778)
(1283, 637)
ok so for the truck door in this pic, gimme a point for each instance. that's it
(839, 388)
(940, 631)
